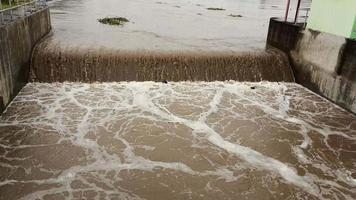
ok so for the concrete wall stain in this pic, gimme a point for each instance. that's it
(16, 42)
(324, 63)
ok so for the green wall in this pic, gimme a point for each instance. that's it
(334, 16)
(353, 34)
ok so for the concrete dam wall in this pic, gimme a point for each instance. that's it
(322, 62)
(51, 63)
(327, 64)
(17, 40)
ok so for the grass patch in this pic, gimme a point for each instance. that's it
(6, 5)
(231, 15)
(116, 21)
(220, 9)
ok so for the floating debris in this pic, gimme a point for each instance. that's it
(165, 81)
(253, 87)
(219, 9)
(118, 21)
(231, 15)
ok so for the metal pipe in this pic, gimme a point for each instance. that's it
(287, 11)
(297, 11)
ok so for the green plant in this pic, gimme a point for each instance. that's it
(118, 21)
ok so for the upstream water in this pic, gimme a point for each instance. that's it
(170, 40)
(166, 25)
(187, 140)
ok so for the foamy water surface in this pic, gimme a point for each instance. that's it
(220, 140)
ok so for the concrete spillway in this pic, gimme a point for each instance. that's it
(52, 63)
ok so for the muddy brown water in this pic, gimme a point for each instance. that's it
(168, 25)
(186, 140)
(181, 140)
(53, 63)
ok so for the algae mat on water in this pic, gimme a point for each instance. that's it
(117, 21)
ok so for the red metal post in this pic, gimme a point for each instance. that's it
(287, 10)
(297, 11)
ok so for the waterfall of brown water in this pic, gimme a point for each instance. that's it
(52, 63)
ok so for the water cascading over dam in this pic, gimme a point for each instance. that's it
(53, 63)
(173, 121)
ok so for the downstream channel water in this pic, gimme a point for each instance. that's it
(188, 140)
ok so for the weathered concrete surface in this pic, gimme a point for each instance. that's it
(282, 35)
(16, 43)
(323, 62)
(327, 64)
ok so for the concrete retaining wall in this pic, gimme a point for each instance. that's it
(322, 62)
(17, 40)
(282, 35)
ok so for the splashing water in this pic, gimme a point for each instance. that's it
(219, 140)
(52, 63)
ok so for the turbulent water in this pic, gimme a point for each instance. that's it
(220, 140)
(164, 40)
(179, 140)
(52, 63)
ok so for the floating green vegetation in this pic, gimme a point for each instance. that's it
(231, 15)
(215, 9)
(117, 21)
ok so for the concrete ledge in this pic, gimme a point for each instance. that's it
(282, 35)
(17, 40)
(322, 62)
(326, 64)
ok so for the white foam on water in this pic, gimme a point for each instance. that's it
(256, 159)
(146, 100)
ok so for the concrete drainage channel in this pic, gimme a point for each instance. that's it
(165, 126)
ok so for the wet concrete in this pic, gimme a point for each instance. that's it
(176, 141)
(17, 40)
(322, 62)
